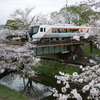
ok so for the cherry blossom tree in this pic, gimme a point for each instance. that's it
(95, 22)
(89, 79)
(15, 58)
(22, 19)
(18, 57)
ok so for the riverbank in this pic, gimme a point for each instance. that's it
(86, 48)
(52, 68)
(10, 94)
(46, 68)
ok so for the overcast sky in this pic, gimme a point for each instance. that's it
(44, 6)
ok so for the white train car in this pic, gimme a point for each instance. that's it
(53, 33)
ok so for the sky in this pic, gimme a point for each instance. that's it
(41, 6)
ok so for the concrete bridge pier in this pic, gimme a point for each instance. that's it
(74, 52)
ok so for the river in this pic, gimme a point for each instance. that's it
(32, 88)
(38, 89)
(35, 88)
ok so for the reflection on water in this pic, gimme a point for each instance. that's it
(97, 58)
(27, 86)
(37, 90)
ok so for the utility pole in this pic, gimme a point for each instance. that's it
(66, 3)
(66, 9)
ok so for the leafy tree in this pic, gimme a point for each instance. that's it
(22, 20)
(11, 24)
(79, 14)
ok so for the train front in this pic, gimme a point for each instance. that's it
(33, 32)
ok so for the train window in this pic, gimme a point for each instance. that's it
(54, 30)
(69, 30)
(59, 30)
(44, 29)
(64, 30)
(41, 29)
(33, 30)
(74, 30)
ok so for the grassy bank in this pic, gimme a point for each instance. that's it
(16, 42)
(10, 94)
(86, 49)
(52, 68)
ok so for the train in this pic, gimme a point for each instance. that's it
(44, 33)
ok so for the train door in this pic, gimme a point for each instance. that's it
(42, 33)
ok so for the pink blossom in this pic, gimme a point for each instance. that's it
(85, 88)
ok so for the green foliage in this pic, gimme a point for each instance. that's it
(52, 68)
(79, 14)
(11, 21)
(12, 24)
(86, 49)
(53, 14)
(10, 94)
(17, 42)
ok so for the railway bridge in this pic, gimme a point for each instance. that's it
(59, 47)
